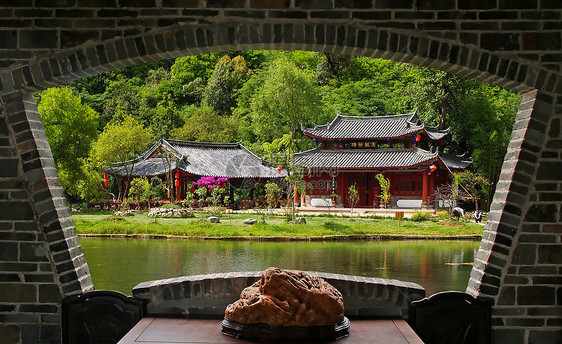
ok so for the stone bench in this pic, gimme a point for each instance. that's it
(208, 295)
(321, 202)
(409, 203)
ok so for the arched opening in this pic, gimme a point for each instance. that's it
(515, 208)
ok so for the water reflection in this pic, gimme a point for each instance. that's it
(120, 264)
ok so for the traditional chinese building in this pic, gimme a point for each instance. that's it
(352, 150)
(187, 161)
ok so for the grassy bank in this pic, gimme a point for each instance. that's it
(275, 226)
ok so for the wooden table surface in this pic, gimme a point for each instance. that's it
(178, 330)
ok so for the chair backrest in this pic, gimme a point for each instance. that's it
(99, 316)
(451, 317)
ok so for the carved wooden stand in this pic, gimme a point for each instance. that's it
(267, 333)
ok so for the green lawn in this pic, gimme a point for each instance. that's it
(274, 226)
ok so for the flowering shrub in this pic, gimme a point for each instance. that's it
(214, 185)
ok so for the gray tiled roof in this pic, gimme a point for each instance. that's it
(373, 127)
(454, 162)
(363, 158)
(230, 160)
(374, 158)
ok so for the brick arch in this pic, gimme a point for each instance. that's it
(524, 220)
(413, 47)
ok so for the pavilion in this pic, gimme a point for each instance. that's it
(351, 150)
(187, 161)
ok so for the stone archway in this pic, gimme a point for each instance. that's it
(517, 265)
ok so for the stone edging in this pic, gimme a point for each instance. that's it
(366, 237)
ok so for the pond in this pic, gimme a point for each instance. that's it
(119, 264)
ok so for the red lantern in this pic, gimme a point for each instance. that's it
(418, 138)
(177, 183)
(192, 189)
(177, 175)
(432, 169)
(105, 175)
(106, 183)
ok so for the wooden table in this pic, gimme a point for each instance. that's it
(177, 330)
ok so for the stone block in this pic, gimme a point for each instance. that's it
(10, 278)
(37, 39)
(41, 333)
(542, 213)
(260, 15)
(537, 270)
(34, 308)
(545, 336)
(178, 3)
(138, 3)
(43, 278)
(49, 293)
(32, 252)
(394, 4)
(549, 254)
(535, 295)
(524, 322)
(9, 251)
(330, 14)
(508, 336)
(77, 37)
(312, 4)
(551, 4)
(500, 42)
(550, 170)
(18, 292)
(538, 238)
(524, 254)
(10, 333)
(15, 210)
(541, 40)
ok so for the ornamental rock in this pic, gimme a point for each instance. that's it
(288, 298)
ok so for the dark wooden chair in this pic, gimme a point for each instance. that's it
(99, 317)
(451, 317)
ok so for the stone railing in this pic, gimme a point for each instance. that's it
(208, 295)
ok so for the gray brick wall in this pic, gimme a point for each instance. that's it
(516, 44)
(40, 260)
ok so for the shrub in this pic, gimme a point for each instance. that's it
(171, 206)
(420, 216)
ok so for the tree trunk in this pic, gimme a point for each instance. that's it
(443, 115)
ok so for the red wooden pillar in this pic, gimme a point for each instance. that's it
(425, 187)
(431, 189)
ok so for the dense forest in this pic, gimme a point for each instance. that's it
(259, 97)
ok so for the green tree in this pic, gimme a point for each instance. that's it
(360, 98)
(119, 143)
(281, 151)
(352, 197)
(272, 194)
(206, 125)
(140, 188)
(482, 127)
(385, 188)
(287, 98)
(189, 68)
(227, 78)
(71, 127)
